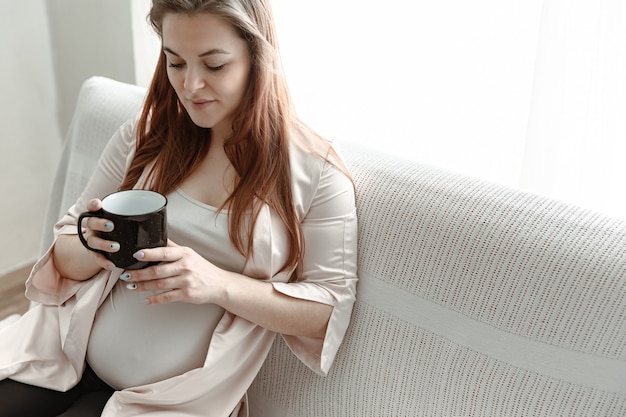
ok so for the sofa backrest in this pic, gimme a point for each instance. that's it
(473, 300)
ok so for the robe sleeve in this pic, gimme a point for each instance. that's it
(45, 285)
(328, 273)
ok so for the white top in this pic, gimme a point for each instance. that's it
(133, 344)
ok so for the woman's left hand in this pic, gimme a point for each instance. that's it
(181, 274)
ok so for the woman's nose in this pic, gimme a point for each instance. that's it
(193, 81)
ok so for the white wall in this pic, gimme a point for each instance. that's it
(89, 37)
(29, 133)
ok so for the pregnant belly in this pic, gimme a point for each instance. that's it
(133, 344)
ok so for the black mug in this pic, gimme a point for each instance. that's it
(139, 222)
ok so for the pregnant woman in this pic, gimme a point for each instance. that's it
(262, 228)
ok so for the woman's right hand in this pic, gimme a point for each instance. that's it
(73, 260)
(94, 226)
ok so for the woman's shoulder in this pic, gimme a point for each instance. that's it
(126, 133)
(121, 145)
(314, 162)
(308, 145)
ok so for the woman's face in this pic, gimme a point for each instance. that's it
(208, 65)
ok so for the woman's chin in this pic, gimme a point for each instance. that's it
(201, 123)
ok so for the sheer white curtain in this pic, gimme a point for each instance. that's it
(446, 82)
(526, 93)
(576, 136)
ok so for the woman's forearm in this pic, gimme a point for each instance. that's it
(181, 275)
(260, 303)
(72, 259)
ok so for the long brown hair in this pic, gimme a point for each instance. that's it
(259, 145)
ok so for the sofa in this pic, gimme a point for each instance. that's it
(474, 299)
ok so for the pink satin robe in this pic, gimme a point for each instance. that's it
(47, 346)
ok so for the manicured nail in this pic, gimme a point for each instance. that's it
(145, 301)
(139, 255)
(114, 246)
(110, 267)
(125, 276)
(94, 203)
(108, 225)
(132, 286)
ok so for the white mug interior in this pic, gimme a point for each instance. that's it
(133, 202)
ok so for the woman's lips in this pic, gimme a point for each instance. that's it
(200, 104)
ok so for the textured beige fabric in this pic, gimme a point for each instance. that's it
(474, 300)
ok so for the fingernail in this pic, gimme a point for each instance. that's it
(108, 225)
(110, 267)
(139, 255)
(125, 276)
(94, 203)
(115, 246)
(132, 286)
(145, 301)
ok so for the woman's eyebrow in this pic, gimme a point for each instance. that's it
(213, 51)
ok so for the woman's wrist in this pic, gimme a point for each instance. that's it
(225, 292)
(72, 260)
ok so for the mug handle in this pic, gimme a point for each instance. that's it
(84, 215)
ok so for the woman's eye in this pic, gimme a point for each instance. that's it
(175, 66)
(215, 69)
